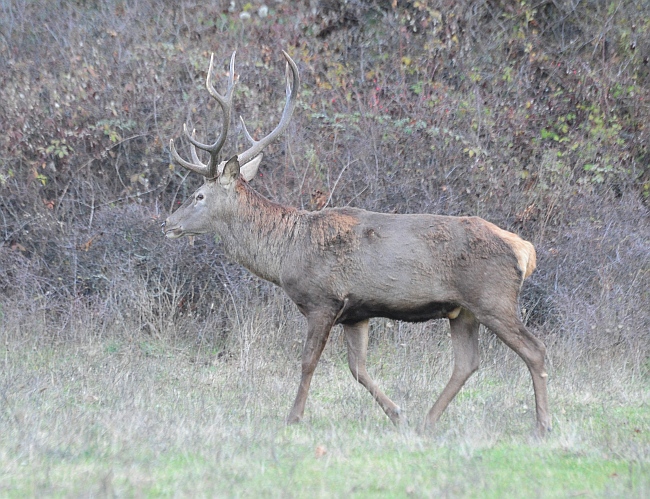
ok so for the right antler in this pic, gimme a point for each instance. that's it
(209, 170)
(289, 106)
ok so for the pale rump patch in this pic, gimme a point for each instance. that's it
(454, 313)
(523, 250)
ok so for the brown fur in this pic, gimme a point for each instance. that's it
(333, 231)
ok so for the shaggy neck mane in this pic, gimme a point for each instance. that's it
(261, 232)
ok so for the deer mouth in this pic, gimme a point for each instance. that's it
(174, 233)
(178, 232)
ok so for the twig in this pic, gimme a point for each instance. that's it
(8, 236)
(232, 298)
(74, 174)
(132, 196)
(178, 189)
(337, 182)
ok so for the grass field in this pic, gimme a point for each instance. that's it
(119, 415)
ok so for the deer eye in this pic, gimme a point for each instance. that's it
(199, 197)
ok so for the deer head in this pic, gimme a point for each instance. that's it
(203, 209)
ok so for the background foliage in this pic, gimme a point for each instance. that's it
(530, 114)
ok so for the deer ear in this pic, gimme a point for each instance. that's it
(230, 172)
(249, 170)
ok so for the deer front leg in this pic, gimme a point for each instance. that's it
(318, 330)
(464, 341)
(356, 339)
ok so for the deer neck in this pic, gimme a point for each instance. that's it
(259, 233)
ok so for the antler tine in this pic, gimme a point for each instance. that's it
(225, 102)
(292, 95)
(195, 157)
(201, 169)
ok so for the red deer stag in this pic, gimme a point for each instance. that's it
(346, 265)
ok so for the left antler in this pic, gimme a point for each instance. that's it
(209, 170)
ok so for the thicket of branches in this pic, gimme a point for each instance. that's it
(530, 114)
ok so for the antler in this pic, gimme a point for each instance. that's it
(209, 170)
(292, 95)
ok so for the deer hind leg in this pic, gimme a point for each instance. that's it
(464, 341)
(510, 330)
(356, 339)
(318, 330)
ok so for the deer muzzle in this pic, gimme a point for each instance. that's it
(172, 232)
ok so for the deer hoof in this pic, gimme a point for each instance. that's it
(291, 419)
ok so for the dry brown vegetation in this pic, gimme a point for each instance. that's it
(531, 115)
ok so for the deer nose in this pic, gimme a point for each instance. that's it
(162, 226)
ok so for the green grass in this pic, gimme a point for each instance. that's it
(101, 417)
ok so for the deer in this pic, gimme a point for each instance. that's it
(344, 266)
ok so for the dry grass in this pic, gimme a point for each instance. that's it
(106, 412)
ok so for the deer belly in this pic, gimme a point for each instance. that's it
(416, 312)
